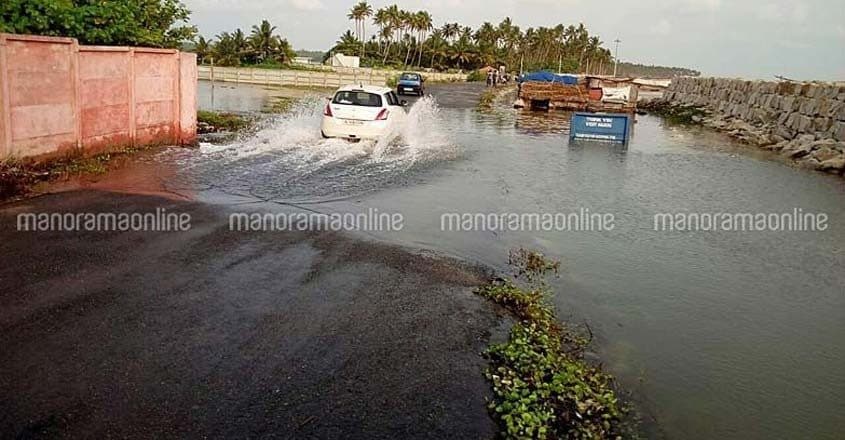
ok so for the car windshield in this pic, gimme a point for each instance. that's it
(357, 97)
(410, 77)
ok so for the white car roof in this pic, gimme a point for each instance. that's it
(369, 89)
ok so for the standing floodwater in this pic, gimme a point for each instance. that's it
(721, 334)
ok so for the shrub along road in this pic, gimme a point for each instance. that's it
(231, 334)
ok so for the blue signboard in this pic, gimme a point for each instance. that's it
(605, 127)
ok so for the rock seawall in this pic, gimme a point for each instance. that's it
(802, 121)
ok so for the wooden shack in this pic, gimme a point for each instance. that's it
(588, 94)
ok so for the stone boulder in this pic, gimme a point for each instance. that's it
(834, 165)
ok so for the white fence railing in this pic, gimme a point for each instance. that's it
(311, 78)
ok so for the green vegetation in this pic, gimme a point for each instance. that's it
(261, 48)
(221, 121)
(651, 71)
(485, 101)
(403, 39)
(18, 177)
(543, 387)
(156, 23)
(281, 104)
(676, 114)
(476, 75)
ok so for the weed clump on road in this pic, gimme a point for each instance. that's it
(487, 99)
(543, 387)
(213, 122)
(19, 176)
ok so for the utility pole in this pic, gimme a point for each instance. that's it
(616, 57)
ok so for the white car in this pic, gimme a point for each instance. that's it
(363, 112)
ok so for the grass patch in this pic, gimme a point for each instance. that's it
(281, 104)
(676, 114)
(543, 388)
(487, 98)
(476, 75)
(211, 122)
(18, 177)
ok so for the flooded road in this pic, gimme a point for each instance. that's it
(726, 334)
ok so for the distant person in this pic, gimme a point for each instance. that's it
(489, 78)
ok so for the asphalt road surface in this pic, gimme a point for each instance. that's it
(215, 333)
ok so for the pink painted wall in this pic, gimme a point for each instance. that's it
(56, 95)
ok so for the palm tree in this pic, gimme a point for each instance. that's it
(424, 25)
(262, 41)
(354, 15)
(365, 12)
(451, 31)
(359, 13)
(203, 49)
(394, 19)
(408, 24)
(283, 52)
(407, 38)
(382, 20)
(438, 46)
(226, 51)
(346, 44)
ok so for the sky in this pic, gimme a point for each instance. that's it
(755, 39)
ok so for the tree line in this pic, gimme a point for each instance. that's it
(405, 39)
(152, 23)
(397, 38)
(261, 47)
(651, 71)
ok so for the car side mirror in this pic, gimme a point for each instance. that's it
(403, 103)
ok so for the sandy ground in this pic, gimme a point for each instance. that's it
(215, 333)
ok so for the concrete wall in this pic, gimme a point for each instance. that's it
(334, 78)
(56, 95)
(803, 121)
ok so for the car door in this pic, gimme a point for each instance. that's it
(397, 111)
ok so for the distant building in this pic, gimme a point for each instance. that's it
(304, 60)
(341, 60)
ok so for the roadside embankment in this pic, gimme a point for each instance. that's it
(804, 122)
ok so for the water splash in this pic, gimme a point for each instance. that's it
(287, 156)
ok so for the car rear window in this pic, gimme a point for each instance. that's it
(410, 77)
(357, 98)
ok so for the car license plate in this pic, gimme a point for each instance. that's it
(409, 89)
(353, 122)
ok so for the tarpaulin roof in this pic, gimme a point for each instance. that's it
(544, 76)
